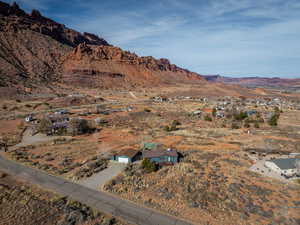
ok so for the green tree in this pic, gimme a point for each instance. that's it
(240, 116)
(276, 110)
(176, 123)
(207, 118)
(214, 112)
(149, 166)
(273, 121)
(45, 125)
(78, 126)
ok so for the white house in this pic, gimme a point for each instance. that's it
(285, 166)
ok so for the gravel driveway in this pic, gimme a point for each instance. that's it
(99, 179)
(28, 139)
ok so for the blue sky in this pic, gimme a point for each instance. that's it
(228, 37)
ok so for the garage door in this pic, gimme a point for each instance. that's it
(123, 160)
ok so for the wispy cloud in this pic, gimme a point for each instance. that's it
(230, 37)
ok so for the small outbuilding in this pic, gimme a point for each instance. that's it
(126, 156)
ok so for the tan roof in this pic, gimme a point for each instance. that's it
(127, 152)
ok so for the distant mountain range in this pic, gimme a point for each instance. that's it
(255, 81)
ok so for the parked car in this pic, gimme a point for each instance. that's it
(61, 112)
(29, 118)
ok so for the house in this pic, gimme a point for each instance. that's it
(59, 126)
(58, 118)
(59, 122)
(161, 156)
(251, 112)
(126, 156)
(286, 167)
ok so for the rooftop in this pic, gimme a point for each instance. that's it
(127, 152)
(159, 153)
(285, 164)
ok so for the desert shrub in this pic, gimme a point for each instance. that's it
(45, 125)
(235, 126)
(246, 124)
(167, 128)
(4, 106)
(277, 110)
(214, 112)
(18, 100)
(207, 118)
(273, 121)
(149, 166)
(240, 116)
(78, 126)
(147, 110)
(28, 106)
(256, 124)
(172, 127)
(176, 123)
(61, 131)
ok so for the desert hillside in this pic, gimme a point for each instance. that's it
(37, 53)
(107, 66)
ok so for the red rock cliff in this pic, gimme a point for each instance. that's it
(111, 66)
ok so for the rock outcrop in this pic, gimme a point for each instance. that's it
(12, 17)
(108, 66)
(31, 47)
(36, 51)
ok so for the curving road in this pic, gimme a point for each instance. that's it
(104, 202)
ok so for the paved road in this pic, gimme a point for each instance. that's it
(102, 201)
(99, 179)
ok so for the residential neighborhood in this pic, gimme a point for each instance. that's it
(169, 113)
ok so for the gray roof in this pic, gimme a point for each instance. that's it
(285, 164)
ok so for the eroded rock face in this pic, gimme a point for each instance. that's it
(36, 51)
(111, 66)
(14, 17)
(31, 47)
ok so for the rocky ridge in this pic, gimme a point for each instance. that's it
(111, 66)
(14, 18)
